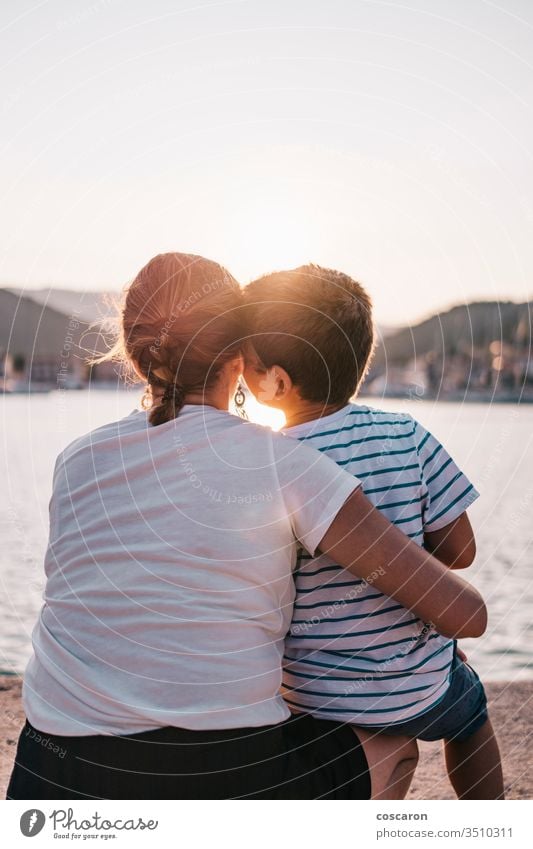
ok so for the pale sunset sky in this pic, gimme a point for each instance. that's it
(392, 140)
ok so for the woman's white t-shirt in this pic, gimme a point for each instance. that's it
(169, 574)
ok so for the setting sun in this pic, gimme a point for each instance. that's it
(272, 233)
(263, 415)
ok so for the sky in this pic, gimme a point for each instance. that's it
(392, 140)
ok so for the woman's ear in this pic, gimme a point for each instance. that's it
(232, 371)
(238, 363)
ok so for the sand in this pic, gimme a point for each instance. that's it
(511, 709)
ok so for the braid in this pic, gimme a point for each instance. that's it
(171, 403)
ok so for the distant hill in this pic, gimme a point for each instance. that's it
(89, 307)
(48, 336)
(448, 353)
(461, 330)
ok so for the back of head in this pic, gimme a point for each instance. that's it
(317, 324)
(180, 324)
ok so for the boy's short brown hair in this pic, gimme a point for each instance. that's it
(316, 323)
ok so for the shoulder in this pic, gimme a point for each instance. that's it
(382, 422)
(244, 433)
(285, 444)
(301, 459)
(134, 422)
(363, 411)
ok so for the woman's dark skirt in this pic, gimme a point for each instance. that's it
(302, 758)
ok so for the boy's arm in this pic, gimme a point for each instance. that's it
(447, 495)
(454, 545)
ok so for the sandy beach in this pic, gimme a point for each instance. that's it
(511, 707)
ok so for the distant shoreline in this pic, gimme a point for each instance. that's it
(510, 706)
(451, 398)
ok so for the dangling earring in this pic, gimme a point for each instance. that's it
(146, 400)
(240, 400)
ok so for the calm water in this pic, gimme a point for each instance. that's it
(492, 443)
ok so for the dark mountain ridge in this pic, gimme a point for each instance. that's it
(464, 329)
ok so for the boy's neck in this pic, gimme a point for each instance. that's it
(309, 412)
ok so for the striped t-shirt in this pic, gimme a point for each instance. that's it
(352, 653)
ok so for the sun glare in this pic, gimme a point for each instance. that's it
(263, 415)
(269, 233)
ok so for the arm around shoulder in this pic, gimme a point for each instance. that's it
(362, 540)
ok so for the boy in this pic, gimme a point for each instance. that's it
(352, 653)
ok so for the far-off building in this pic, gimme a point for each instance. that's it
(47, 337)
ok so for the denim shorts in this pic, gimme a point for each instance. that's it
(458, 715)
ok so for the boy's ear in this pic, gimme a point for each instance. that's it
(284, 382)
(275, 385)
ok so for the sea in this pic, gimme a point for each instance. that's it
(493, 444)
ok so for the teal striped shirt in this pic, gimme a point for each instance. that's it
(352, 653)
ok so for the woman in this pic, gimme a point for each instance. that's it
(156, 666)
